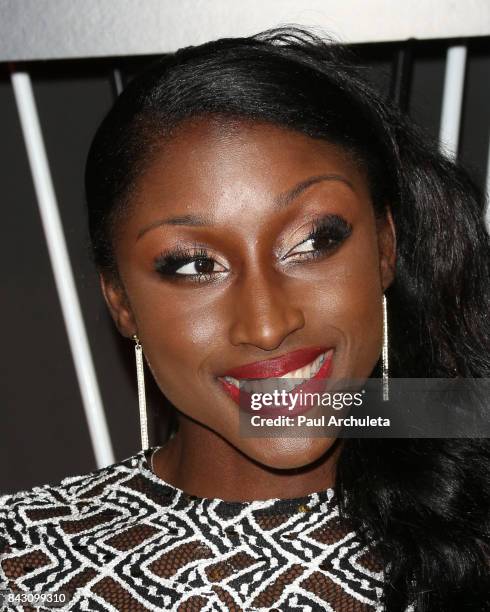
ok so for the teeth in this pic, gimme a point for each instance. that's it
(289, 385)
(308, 370)
(288, 381)
(232, 381)
(247, 386)
(303, 372)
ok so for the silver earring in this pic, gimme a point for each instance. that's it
(384, 355)
(140, 375)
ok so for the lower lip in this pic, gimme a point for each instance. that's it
(313, 385)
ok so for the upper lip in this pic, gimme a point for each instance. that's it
(277, 366)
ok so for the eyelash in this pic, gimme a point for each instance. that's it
(332, 229)
(169, 262)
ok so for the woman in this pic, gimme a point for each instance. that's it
(253, 206)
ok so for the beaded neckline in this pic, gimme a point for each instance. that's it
(311, 502)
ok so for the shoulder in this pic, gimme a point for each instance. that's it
(71, 499)
(71, 488)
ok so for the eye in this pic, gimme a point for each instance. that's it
(325, 235)
(200, 266)
(188, 265)
(311, 245)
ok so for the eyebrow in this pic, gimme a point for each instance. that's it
(282, 201)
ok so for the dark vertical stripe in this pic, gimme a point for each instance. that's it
(475, 124)
(43, 435)
(402, 75)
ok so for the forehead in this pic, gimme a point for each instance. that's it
(208, 163)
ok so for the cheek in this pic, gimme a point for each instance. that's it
(344, 295)
(178, 329)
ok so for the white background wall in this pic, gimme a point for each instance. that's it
(36, 29)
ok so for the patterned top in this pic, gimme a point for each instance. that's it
(120, 538)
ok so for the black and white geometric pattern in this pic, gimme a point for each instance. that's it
(122, 539)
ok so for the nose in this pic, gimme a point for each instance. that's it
(264, 311)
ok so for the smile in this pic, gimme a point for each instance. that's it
(287, 381)
(302, 370)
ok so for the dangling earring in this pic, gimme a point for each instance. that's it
(140, 375)
(384, 355)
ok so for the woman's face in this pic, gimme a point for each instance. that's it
(248, 242)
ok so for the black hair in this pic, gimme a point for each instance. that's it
(425, 501)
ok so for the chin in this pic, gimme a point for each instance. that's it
(289, 453)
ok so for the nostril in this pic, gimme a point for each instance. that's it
(265, 332)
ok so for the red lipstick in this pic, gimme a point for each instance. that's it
(314, 384)
(276, 366)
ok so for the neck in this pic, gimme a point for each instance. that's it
(200, 462)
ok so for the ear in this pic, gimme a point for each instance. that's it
(118, 304)
(387, 248)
